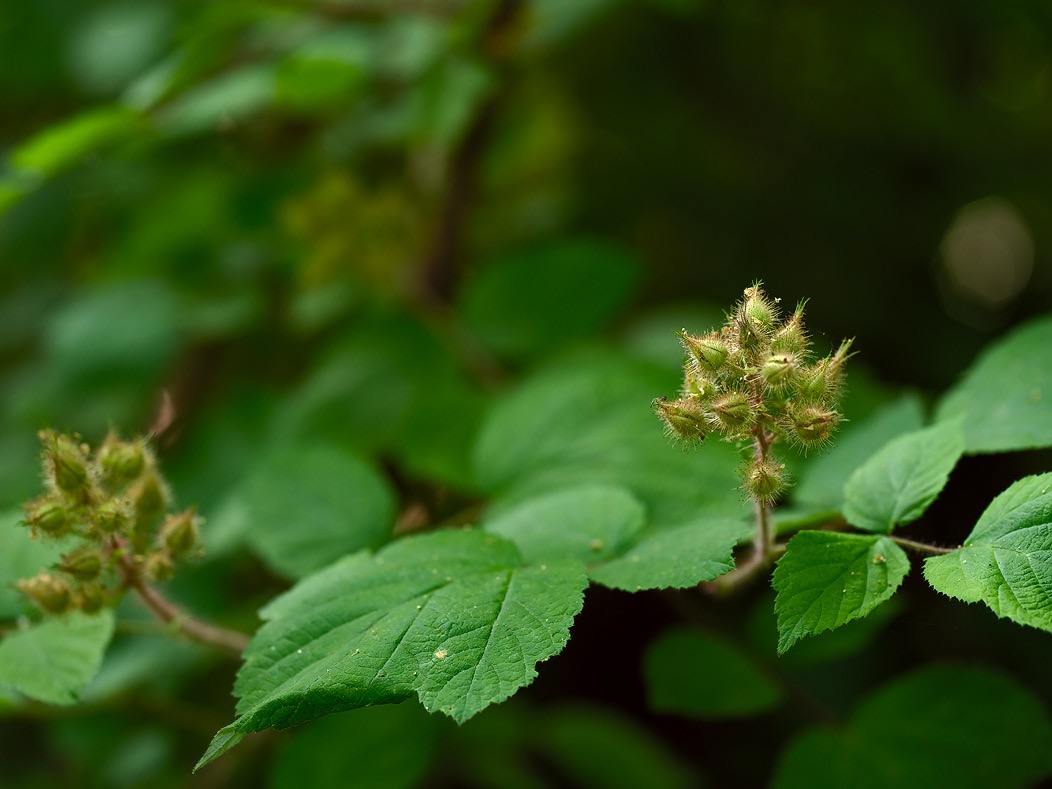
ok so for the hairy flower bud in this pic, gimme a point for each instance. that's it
(84, 564)
(48, 516)
(765, 480)
(684, 418)
(732, 411)
(47, 592)
(790, 337)
(90, 598)
(710, 351)
(779, 371)
(121, 462)
(159, 566)
(149, 498)
(110, 517)
(179, 534)
(66, 464)
(812, 425)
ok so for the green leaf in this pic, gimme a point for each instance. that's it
(20, 557)
(1005, 397)
(940, 726)
(1006, 562)
(305, 507)
(454, 616)
(542, 298)
(64, 144)
(53, 660)
(823, 476)
(898, 483)
(598, 748)
(826, 579)
(383, 747)
(694, 673)
(677, 557)
(587, 418)
(590, 523)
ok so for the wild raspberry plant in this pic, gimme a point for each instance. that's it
(752, 380)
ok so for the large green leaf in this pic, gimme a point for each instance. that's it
(897, 484)
(676, 557)
(305, 507)
(694, 673)
(1006, 562)
(453, 616)
(590, 523)
(1005, 398)
(538, 299)
(52, 661)
(826, 579)
(587, 419)
(969, 728)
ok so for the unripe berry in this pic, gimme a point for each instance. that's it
(90, 598)
(790, 338)
(110, 517)
(47, 592)
(66, 465)
(732, 411)
(159, 566)
(812, 425)
(684, 418)
(179, 534)
(121, 462)
(48, 516)
(779, 371)
(84, 564)
(765, 480)
(710, 351)
(149, 498)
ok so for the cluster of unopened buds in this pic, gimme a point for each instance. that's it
(754, 380)
(109, 506)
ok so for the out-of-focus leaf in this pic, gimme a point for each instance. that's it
(940, 726)
(1004, 401)
(226, 100)
(385, 747)
(52, 661)
(535, 300)
(690, 672)
(588, 419)
(305, 507)
(68, 142)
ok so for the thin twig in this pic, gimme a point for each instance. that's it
(922, 547)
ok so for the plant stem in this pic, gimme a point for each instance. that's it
(921, 547)
(170, 614)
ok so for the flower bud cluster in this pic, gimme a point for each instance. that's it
(109, 506)
(754, 379)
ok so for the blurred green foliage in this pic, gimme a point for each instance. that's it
(376, 266)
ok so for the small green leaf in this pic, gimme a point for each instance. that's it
(306, 507)
(826, 579)
(55, 659)
(1005, 398)
(385, 747)
(677, 557)
(822, 478)
(454, 616)
(693, 673)
(64, 144)
(898, 483)
(1006, 562)
(969, 728)
(590, 523)
(542, 298)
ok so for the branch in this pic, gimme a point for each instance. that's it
(170, 614)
